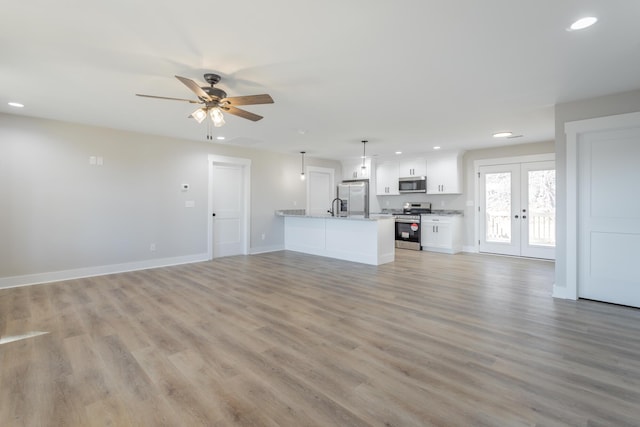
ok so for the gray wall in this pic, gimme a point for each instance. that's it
(609, 105)
(60, 213)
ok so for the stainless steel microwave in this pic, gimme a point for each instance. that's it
(413, 184)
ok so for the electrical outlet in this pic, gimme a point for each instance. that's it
(295, 203)
(263, 236)
(152, 247)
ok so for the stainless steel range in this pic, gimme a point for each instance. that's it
(408, 228)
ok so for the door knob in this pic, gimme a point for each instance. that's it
(213, 214)
(516, 216)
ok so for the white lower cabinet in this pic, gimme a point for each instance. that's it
(441, 233)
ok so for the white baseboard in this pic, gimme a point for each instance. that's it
(265, 249)
(78, 273)
(470, 249)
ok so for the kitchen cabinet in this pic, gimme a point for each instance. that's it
(441, 233)
(352, 169)
(416, 166)
(444, 173)
(387, 174)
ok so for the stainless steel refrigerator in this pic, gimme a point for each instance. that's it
(354, 198)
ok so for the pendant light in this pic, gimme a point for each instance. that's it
(364, 156)
(302, 177)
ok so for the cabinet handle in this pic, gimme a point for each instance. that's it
(516, 216)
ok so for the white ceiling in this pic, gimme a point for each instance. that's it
(405, 75)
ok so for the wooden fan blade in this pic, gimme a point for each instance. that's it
(172, 99)
(241, 113)
(248, 100)
(193, 86)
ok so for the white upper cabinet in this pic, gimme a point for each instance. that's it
(416, 166)
(444, 173)
(352, 169)
(387, 174)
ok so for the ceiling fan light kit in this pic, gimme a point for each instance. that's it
(200, 114)
(217, 117)
(215, 101)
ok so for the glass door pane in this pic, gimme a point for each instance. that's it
(542, 207)
(498, 207)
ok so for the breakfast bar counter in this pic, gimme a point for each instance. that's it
(357, 239)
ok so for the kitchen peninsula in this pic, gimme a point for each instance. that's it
(354, 238)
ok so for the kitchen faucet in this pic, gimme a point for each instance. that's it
(331, 210)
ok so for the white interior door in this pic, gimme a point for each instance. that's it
(609, 216)
(517, 209)
(227, 196)
(321, 190)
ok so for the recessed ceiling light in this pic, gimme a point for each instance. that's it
(16, 104)
(502, 134)
(220, 138)
(437, 147)
(583, 23)
(398, 152)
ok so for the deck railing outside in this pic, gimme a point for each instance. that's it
(542, 228)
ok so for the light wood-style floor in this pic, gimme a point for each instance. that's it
(286, 339)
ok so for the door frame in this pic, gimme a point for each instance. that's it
(499, 161)
(568, 276)
(246, 214)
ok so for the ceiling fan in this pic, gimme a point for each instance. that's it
(214, 101)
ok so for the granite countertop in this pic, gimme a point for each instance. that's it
(444, 212)
(300, 213)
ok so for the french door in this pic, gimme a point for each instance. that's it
(517, 209)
